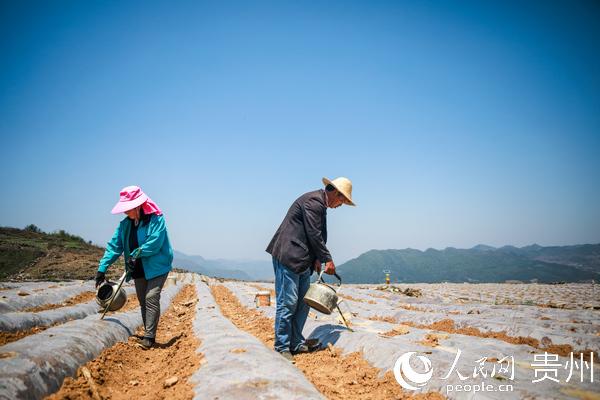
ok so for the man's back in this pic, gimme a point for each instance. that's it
(302, 235)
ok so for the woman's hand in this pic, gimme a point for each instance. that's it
(100, 278)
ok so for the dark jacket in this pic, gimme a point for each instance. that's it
(301, 237)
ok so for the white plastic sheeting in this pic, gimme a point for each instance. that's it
(35, 286)
(255, 373)
(11, 301)
(577, 328)
(383, 352)
(36, 366)
(15, 321)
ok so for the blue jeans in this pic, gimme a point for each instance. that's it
(291, 311)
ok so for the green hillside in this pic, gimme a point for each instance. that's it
(479, 264)
(32, 254)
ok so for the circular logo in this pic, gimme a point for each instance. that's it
(402, 369)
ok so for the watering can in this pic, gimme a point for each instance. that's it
(111, 296)
(322, 296)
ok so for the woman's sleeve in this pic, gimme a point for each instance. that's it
(114, 249)
(154, 240)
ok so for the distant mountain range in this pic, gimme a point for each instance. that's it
(247, 270)
(481, 263)
(32, 254)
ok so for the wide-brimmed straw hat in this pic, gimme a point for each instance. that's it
(129, 198)
(344, 186)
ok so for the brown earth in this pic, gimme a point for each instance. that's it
(8, 337)
(411, 292)
(410, 307)
(78, 299)
(348, 297)
(433, 339)
(447, 325)
(390, 320)
(334, 375)
(125, 371)
(28, 255)
(61, 263)
(380, 296)
(397, 330)
(247, 319)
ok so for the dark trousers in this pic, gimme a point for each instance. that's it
(148, 294)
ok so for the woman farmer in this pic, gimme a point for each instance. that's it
(142, 238)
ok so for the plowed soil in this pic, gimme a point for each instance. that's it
(78, 299)
(9, 337)
(348, 297)
(126, 371)
(334, 375)
(447, 325)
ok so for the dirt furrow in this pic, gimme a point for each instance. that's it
(447, 325)
(9, 337)
(126, 371)
(334, 375)
(78, 299)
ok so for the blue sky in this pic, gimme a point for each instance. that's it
(459, 122)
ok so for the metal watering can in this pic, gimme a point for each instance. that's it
(322, 296)
(111, 296)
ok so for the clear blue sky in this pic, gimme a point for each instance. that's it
(459, 122)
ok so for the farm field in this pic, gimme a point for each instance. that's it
(488, 341)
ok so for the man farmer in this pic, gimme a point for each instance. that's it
(298, 248)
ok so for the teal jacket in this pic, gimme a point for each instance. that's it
(155, 249)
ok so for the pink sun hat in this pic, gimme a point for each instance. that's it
(133, 196)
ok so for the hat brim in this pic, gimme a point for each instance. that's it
(349, 201)
(123, 206)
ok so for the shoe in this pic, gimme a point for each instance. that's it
(137, 338)
(301, 349)
(146, 343)
(313, 344)
(287, 355)
(308, 347)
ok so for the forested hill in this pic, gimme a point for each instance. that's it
(479, 264)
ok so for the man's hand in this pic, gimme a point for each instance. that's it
(317, 266)
(330, 267)
(100, 277)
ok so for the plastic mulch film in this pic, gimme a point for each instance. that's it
(472, 357)
(36, 366)
(15, 300)
(236, 365)
(14, 321)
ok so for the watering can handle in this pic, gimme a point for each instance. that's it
(114, 294)
(335, 274)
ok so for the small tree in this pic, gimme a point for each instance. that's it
(67, 236)
(33, 228)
